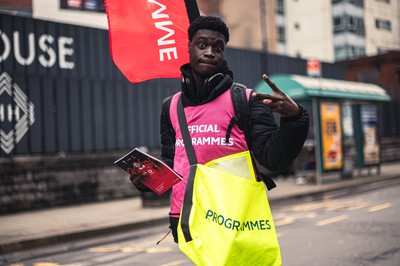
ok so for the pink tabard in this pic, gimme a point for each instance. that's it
(208, 124)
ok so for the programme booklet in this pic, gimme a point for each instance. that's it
(160, 177)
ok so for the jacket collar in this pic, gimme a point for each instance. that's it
(211, 88)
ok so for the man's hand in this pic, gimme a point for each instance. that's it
(279, 102)
(135, 179)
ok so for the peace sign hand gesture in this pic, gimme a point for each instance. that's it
(279, 102)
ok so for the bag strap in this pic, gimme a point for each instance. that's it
(242, 117)
(187, 200)
(185, 133)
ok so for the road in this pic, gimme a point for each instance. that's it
(347, 227)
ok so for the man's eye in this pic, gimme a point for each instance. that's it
(202, 45)
(219, 47)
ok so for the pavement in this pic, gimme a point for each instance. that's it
(32, 229)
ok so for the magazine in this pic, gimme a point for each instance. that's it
(160, 177)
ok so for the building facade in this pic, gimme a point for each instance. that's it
(341, 29)
(382, 24)
(329, 30)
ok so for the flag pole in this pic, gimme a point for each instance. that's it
(192, 10)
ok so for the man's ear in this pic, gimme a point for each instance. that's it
(189, 46)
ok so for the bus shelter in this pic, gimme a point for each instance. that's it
(343, 136)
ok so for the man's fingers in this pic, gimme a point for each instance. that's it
(267, 101)
(259, 95)
(271, 84)
(266, 96)
(136, 178)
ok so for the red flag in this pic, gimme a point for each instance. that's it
(148, 38)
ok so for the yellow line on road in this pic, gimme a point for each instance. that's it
(108, 248)
(301, 215)
(304, 207)
(333, 206)
(285, 221)
(357, 206)
(132, 249)
(159, 250)
(174, 263)
(379, 207)
(333, 220)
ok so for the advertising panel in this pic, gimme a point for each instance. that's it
(331, 135)
(349, 144)
(370, 135)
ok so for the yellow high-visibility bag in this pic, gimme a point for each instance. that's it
(228, 220)
(225, 217)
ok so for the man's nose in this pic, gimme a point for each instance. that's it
(209, 51)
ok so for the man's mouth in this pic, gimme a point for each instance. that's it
(212, 63)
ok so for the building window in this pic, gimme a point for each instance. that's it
(356, 2)
(383, 24)
(338, 24)
(281, 34)
(85, 5)
(348, 23)
(340, 53)
(351, 22)
(353, 2)
(280, 8)
(348, 51)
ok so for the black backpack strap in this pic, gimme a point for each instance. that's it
(242, 112)
(243, 120)
(241, 106)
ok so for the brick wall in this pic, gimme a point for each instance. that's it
(37, 183)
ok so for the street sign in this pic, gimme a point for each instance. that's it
(313, 68)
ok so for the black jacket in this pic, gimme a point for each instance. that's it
(274, 147)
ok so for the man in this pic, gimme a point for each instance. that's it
(205, 80)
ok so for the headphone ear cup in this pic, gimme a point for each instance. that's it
(185, 83)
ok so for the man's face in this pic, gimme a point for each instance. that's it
(206, 52)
